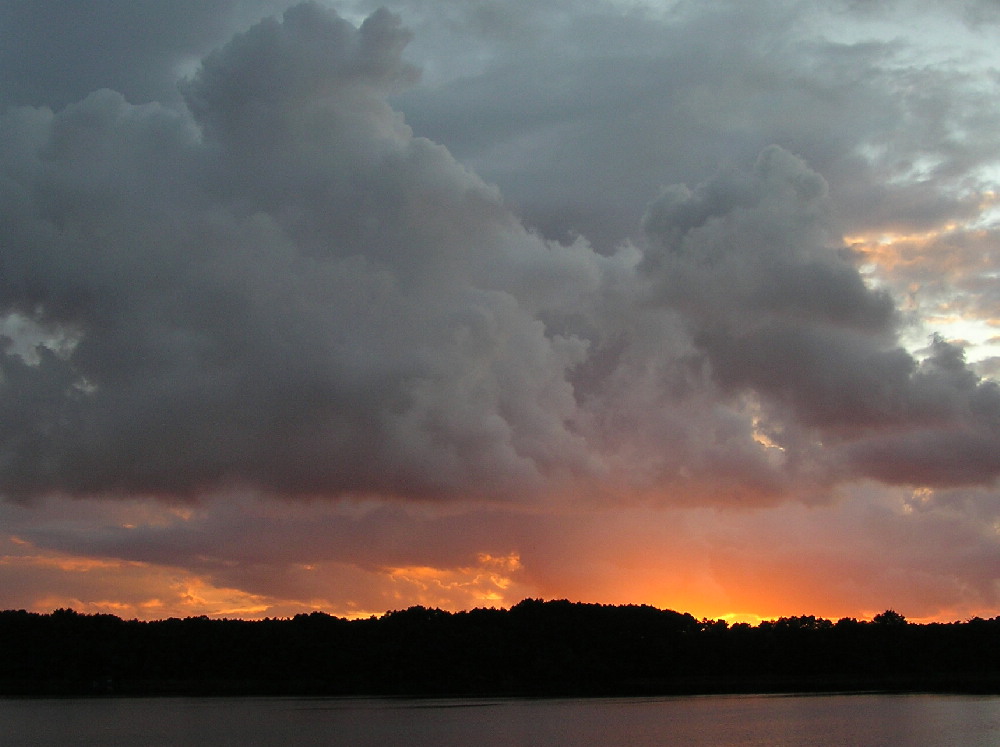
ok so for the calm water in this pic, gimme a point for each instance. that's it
(716, 720)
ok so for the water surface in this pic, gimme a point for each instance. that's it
(711, 720)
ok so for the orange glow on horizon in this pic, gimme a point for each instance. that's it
(69, 564)
(719, 586)
(200, 599)
(485, 583)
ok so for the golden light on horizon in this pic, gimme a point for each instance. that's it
(713, 564)
(486, 582)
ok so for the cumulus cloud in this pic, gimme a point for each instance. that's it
(880, 100)
(779, 309)
(287, 289)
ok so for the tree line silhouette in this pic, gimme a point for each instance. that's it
(535, 648)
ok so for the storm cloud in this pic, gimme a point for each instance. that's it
(286, 289)
(612, 260)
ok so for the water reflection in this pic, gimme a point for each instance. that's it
(708, 720)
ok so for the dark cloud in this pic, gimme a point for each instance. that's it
(288, 290)
(635, 98)
(687, 91)
(423, 266)
(777, 308)
(55, 52)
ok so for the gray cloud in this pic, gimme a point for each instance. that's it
(280, 286)
(585, 115)
(55, 52)
(289, 290)
(776, 308)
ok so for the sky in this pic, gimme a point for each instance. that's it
(354, 306)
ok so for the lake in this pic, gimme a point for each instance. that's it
(774, 721)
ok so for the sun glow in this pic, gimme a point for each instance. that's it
(938, 277)
(489, 581)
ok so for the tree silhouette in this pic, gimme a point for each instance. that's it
(535, 648)
(890, 618)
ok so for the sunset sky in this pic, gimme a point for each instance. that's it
(359, 305)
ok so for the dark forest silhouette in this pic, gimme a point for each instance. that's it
(534, 648)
